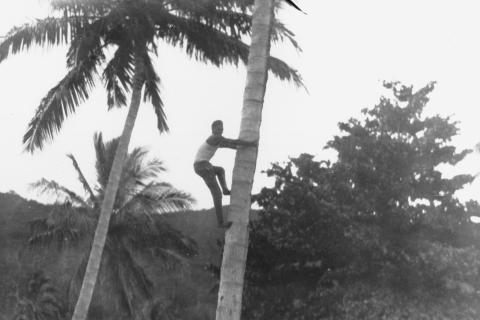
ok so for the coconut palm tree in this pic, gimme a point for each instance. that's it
(210, 31)
(229, 304)
(133, 225)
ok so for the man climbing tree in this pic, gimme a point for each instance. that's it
(210, 173)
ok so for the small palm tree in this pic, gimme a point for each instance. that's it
(133, 225)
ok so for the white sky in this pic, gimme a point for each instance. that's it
(349, 48)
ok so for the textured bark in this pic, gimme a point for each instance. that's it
(236, 239)
(91, 272)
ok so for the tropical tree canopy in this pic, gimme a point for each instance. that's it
(379, 233)
(105, 36)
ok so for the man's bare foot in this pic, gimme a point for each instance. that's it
(225, 225)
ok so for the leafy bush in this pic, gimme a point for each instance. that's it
(378, 233)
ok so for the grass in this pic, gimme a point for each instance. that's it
(188, 287)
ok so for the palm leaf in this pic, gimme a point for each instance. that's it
(150, 170)
(136, 174)
(204, 7)
(117, 76)
(83, 181)
(280, 32)
(136, 287)
(60, 101)
(230, 20)
(89, 43)
(152, 93)
(82, 8)
(64, 225)
(139, 170)
(284, 72)
(291, 3)
(51, 187)
(105, 153)
(48, 31)
(207, 44)
(157, 198)
(236, 24)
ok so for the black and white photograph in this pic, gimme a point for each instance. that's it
(239, 160)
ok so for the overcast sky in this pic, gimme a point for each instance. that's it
(349, 48)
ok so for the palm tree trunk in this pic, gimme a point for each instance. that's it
(236, 239)
(93, 266)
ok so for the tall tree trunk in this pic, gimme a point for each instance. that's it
(91, 272)
(236, 239)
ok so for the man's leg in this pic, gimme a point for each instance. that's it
(220, 173)
(217, 197)
(206, 171)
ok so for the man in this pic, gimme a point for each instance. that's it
(210, 173)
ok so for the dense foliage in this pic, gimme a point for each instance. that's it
(376, 234)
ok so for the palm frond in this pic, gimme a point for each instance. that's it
(230, 20)
(150, 169)
(131, 280)
(139, 169)
(88, 44)
(117, 76)
(135, 158)
(130, 181)
(133, 173)
(105, 153)
(136, 174)
(202, 9)
(235, 24)
(280, 33)
(284, 72)
(207, 44)
(51, 187)
(81, 8)
(48, 31)
(61, 101)
(152, 93)
(136, 286)
(83, 181)
(157, 198)
(64, 225)
(291, 3)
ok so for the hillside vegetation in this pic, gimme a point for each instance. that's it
(185, 284)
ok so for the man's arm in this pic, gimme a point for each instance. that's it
(223, 142)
